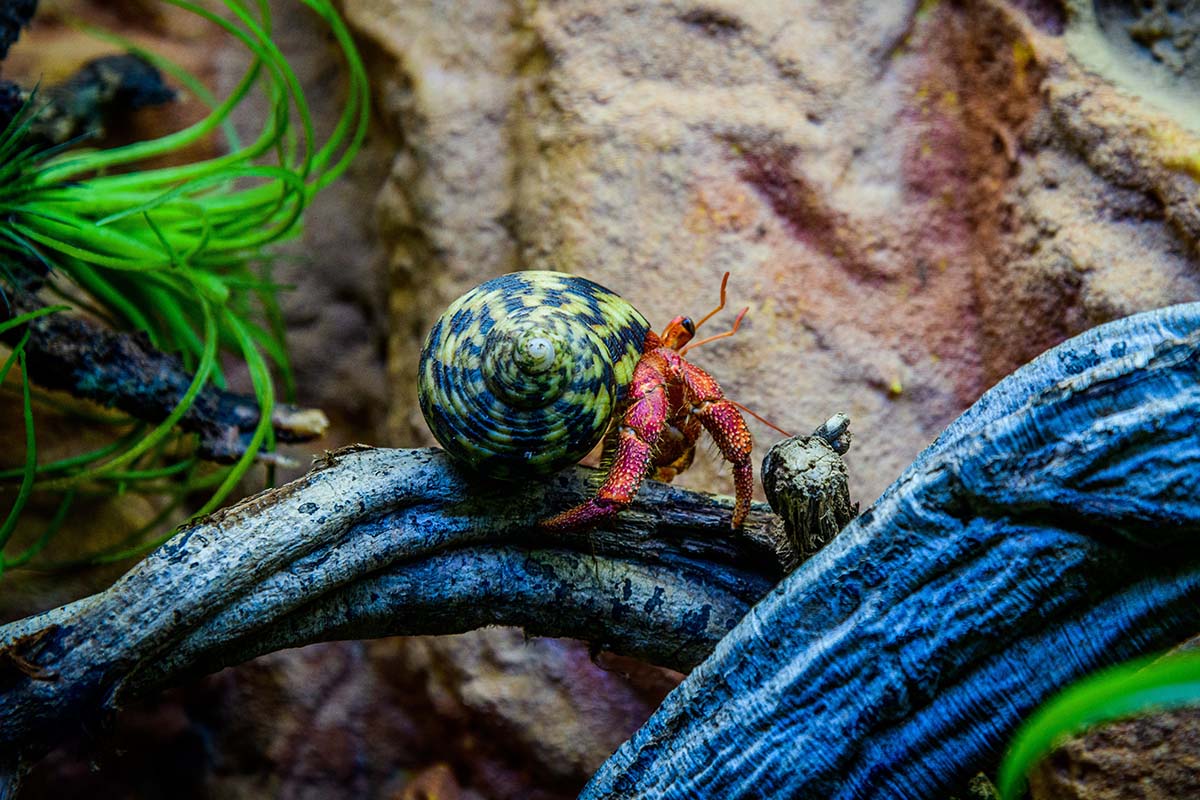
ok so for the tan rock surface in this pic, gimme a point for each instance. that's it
(912, 201)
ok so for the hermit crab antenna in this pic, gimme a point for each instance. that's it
(736, 324)
(713, 313)
(763, 420)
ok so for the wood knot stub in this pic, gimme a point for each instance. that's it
(806, 484)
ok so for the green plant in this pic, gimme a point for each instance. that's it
(1124, 690)
(181, 253)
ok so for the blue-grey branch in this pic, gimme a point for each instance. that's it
(1053, 529)
(378, 543)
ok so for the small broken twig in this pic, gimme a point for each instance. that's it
(123, 370)
(101, 91)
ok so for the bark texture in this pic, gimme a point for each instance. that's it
(377, 543)
(1051, 530)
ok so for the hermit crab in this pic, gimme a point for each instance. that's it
(525, 373)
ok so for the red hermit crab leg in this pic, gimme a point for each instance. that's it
(639, 430)
(723, 421)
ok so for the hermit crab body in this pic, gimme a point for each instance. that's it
(525, 373)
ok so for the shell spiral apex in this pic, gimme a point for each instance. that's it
(521, 374)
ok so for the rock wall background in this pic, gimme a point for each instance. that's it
(913, 198)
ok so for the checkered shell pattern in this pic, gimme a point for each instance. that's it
(522, 374)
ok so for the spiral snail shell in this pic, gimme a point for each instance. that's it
(521, 374)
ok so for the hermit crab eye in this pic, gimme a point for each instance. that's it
(688, 325)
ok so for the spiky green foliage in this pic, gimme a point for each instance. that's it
(1125, 690)
(181, 253)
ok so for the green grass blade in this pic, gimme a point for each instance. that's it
(21, 319)
(71, 462)
(26, 488)
(1131, 688)
(104, 291)
(52, 528)
(168, 471)
(358, 106)
(264, 392)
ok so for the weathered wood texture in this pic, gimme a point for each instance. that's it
(377, 543)
(1049, 531)
(120, 370)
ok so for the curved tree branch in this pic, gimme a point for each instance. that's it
(377, 543)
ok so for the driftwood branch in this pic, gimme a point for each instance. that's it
(14, 15)
(376, 543)
(102, 91)
(806, 483)
(1053, 529)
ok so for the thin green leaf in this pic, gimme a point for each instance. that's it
(166, 244)
(1131, 688)
(264, 392)
(28, 316)
(71, 462)
(103, 290)
(52, 528)
(10, 522)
